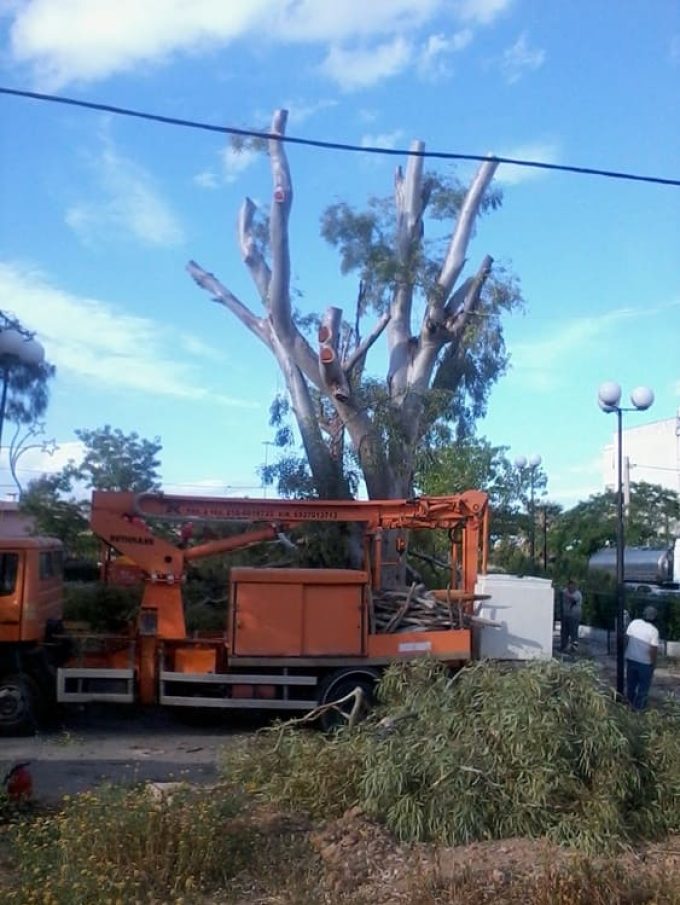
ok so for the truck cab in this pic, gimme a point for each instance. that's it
(31, 608)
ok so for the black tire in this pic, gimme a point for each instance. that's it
(19, 705)
(341, 683)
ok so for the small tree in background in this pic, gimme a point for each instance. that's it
(112, 460)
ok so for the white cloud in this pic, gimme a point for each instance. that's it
(68, 41)
(234, 162)
(206, 180)
(90, 340)
(521, 58)
(79, 41)
(128, 205)
(382, 139)
(542, 152)
(85, 40)
(481, 12)
(365, 66)
(540, 363)
(300, 111)
(312, 20)
(434, 57)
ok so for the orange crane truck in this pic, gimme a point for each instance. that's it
(295, 638)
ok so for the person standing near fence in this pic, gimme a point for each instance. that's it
(641, 651)
(572, 608)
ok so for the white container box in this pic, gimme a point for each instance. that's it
(524, 607)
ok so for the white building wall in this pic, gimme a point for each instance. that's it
(653, 453)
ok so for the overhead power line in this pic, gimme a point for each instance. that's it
(335, 145)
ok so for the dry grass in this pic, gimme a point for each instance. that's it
(125, 848)
(118, 846)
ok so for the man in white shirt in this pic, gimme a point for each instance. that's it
(641, 651)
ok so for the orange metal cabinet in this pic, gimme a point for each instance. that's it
(447, 645)
(297, 612)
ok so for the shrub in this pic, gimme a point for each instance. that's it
(103, 607)
(540, 750)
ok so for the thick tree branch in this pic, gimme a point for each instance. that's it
(330, 365)
(326, 473)
(410, 199)
(223, 296)
(278, 296)
(282, 200)
(359, 354)
(250, 252)
(460, 307)
(455, 257)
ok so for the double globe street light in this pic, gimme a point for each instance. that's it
(609, 400)
(16, 348)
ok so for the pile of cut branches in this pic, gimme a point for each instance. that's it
(493, 752)
(418, 609)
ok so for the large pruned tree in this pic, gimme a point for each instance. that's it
(441, 368)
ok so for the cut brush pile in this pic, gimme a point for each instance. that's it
(542, 750)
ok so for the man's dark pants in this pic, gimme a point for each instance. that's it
(638, 683)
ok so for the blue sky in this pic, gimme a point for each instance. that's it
(99, 214)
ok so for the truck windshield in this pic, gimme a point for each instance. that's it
(9, 566)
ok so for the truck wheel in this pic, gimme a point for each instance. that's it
(19, 697)
(339, 684)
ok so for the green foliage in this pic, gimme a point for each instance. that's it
(654, 511)
(126, 847)
(366, 240)
(589, 526)
(309, 772)
(27, 385)
(468, 368)
(117, 461)
(290, 471)
(55, 514)
(112, 461)
(105, 608)
(494, 752)
(447, 466)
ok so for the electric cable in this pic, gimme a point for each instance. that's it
(335, 145)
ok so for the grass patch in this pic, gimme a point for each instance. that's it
(118, 846)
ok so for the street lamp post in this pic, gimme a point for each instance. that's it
(16, 348)
(533, 463)
(609, 398)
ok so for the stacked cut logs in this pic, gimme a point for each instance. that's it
(416, 609)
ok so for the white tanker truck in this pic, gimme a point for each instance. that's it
(657, 568)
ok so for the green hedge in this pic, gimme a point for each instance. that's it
(599, 610)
